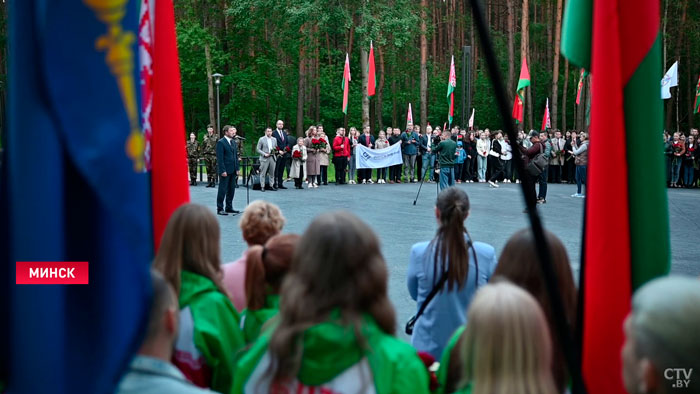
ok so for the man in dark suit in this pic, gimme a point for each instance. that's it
(366, 139)
(284, 145)
(227, 160)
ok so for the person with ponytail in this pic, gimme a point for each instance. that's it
(334, 332)
(208, 337)
(267, 267)
(454, 264)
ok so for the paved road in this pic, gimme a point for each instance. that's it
(495, 215)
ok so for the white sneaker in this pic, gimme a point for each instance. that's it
(492, 184)
(370, 181)
(517, 181)
(315, 184)
(364, 181)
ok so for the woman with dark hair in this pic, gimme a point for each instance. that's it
(267, 267)
(453, 263)
(189, 258)
(335, 326)
(519, 264)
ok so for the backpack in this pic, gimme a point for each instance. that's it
(538, 163)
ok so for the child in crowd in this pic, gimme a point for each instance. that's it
(460, 157)
(298, 169)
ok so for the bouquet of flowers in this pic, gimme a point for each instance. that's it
(318, 143)
(296, 154)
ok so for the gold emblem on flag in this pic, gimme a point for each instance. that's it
(117, 44)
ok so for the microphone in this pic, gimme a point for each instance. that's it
(238, 137)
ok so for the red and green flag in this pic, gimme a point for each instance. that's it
(372, 76)
(627, 232)
(409, 117)
(582, 78)
(451, 85)
(346, 83)
(696, 106)
(546, 120)
(523, 82)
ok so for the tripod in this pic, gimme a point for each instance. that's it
(429, 170)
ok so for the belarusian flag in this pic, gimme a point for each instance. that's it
(583, 76)
(169, 187)
(372, 77)
(409, 117)
(451, 85)
(546, 121)
(471, 119)
(523, 82)
(346, 83)
(626, 222)
(697, 96)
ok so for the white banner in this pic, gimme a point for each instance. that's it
(377, 158)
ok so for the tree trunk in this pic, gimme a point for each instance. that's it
(365, 81)
(548, 14)
(302, 78)
(210, 86)
(511, 48)
(564, 127)
(380, 88)
(555, 64)
(423, 65)
(394, 114)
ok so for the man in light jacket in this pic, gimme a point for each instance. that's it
(267, 145)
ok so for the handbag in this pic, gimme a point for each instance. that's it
(538, 163)
(412, 321)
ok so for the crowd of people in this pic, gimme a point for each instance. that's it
(281, 319)
(682, 159)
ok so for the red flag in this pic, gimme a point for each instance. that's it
(523, 82)
(169, 187)
(346, 83)
(451, 85)
(372, 78)
(409, 117)
(546, 122)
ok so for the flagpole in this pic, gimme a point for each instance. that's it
(563, 331)
(678, 125)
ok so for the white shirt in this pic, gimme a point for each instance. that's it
(269, 143)
(229, 140)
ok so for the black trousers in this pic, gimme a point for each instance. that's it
(324, 174)
(543, 183)
(341, 164)
(496, 167)
(555, 173)
(226, 190)
(298, 181)
(395, 173)
(364, 174)
(279, 170)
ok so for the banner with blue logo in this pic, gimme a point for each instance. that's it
(377, 158)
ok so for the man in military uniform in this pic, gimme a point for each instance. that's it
(193, 158)
(209, 154)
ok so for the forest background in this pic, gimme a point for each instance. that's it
(284, 60)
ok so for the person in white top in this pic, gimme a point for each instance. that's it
(507, 156)
(482, 149)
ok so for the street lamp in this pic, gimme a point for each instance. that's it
(217, 82)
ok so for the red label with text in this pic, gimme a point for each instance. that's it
(52, 273)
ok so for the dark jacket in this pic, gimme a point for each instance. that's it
(446, 153)
(283, 144)
(531, 152)
(424, 142)
(406, 148)
(227, 156)
(362, 140)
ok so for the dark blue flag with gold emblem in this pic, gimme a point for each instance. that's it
(74, 190)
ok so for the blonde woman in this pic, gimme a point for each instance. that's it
(506, 344)
(324, 155)
(381, 143)
(313, 160)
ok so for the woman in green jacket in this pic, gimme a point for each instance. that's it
(267, 267)
(335, 322)
(209, 336)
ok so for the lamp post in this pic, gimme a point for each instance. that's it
(217, 82)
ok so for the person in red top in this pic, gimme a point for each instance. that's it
(341, 152)
(528, 154)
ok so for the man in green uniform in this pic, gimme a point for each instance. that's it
(193, 158)
(209, 154)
